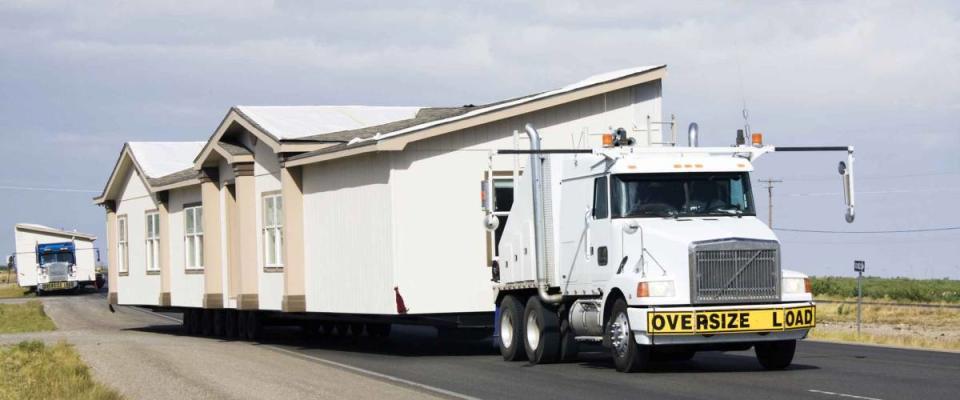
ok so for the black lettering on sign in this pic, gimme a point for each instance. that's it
(658, 322)
(808, 316)
(672, 321)
(776, 320)
(790, 318)
(702, 321)
(744, 320)
(715, 321)
(686, 322)
(731, 320)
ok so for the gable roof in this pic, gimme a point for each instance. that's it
(295, 122)
(362, 138)
(53, 231)
(159, 165)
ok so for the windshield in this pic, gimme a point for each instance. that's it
(50, 258)
(681, 194)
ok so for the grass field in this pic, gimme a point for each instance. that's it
(931, 328)
(8, 290)
(32, 370)
(890, 289)
(24, 317)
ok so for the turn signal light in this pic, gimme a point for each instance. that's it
(807, 285)
(757, 139)
(643, 289)
(607, 140)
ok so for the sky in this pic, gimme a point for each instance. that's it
(78, 79)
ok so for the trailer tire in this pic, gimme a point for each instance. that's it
(230, 324)
(219, 317)
(775, 355)
(511, 329)
(254, 326)
(541, 328)
(628, 356)
(207, 322)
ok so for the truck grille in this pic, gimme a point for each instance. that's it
(58, 271)
(735, 271)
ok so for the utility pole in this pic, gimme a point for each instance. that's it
(859, 266)
(769, 187)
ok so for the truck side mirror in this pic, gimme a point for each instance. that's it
(9, 261)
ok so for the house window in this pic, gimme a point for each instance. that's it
(273, 230)
(193, 236)
(122, 247)
(153, 241)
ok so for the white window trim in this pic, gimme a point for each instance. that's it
(123, 246)
(196, 237)
(152, 241)
(276, 227)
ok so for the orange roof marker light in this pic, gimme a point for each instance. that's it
(607, 140)
(757, 139)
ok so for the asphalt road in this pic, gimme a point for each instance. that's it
(414, 356)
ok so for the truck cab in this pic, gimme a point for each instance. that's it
(56, 266)
(648, 251)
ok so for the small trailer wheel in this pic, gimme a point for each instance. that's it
(511, 329)
(541, 333)
(776, 355)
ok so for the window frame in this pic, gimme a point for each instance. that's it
(606, 197)
(277, 228)
(123, 245)
(151, 241)
(196, 237)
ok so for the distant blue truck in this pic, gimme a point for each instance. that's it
(48, 259)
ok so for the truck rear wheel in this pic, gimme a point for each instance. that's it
(511, 329)
(628, 356)
(775, 355)
(541, 333)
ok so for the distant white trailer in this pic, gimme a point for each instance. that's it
(52, 259)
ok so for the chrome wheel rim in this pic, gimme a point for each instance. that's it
(533, 332)
(620, 334)
(506, 330)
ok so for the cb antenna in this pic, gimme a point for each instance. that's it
(743, 96)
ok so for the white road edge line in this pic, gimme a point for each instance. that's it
(849, 396)
(359, 370)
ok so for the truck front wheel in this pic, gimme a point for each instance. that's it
(511, 329)
(541, 333)
(775, 355)
(628, 356)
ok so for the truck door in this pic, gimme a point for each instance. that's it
(600, 248)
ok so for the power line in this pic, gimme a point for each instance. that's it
(872, 177)
(948, 228)
(926, 190)
(47, 189)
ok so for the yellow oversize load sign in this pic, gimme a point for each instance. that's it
(729, 321)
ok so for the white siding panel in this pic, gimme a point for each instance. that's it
(267, 178)
(347, 236)
(137, 287)
(186, 290)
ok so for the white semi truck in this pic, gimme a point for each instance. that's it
(653, 252)
(49, 259)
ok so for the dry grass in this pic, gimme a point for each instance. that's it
(8, 290)
(24, 317)
(932, 328)
(32, 370)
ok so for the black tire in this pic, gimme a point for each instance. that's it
(254, 326)
(230, 330)
(242, 324)
(569, 348)
(541, 332)
(187, 322)
(379, 330)
(628, 356)
(207, 322)
(776, 355)
(511, 329)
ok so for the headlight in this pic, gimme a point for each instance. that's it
(656, 289)
(796, 285)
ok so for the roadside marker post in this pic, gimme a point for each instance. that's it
(859, 266)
